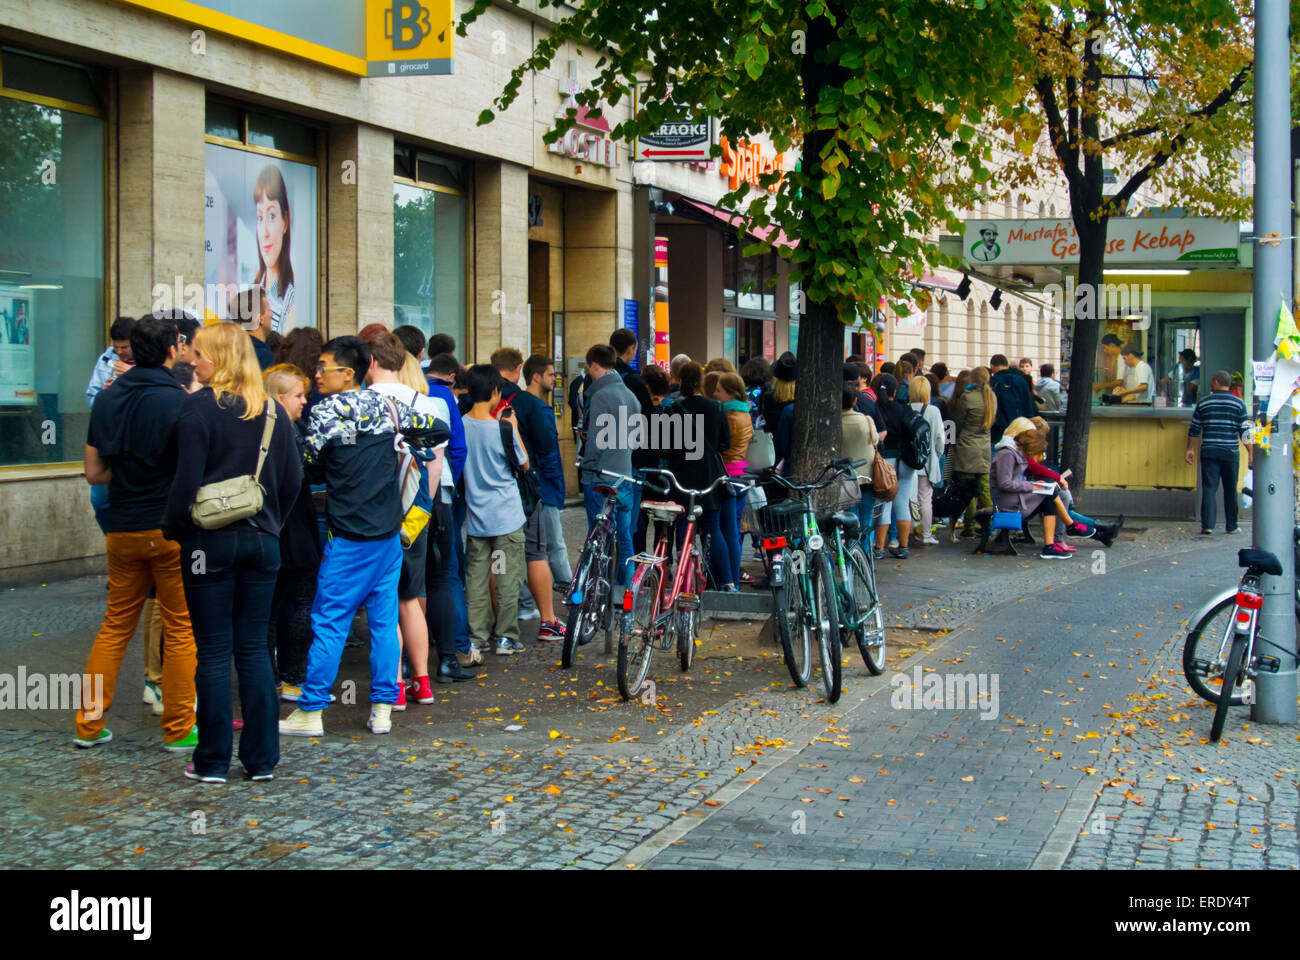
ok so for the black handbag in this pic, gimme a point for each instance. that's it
(530, 486)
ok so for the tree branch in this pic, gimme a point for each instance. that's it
(1207, 111)
(1164, 156)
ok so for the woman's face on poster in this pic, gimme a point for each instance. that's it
(271, 228)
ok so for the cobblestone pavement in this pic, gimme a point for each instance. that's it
(895, 787)
(729, 749)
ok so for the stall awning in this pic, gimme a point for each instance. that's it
(734, 220)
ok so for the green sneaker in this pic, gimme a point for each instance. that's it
(104, 736)
(187, 742)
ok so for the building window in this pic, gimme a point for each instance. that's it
(429, 200)
(261, 213)
(52, 296)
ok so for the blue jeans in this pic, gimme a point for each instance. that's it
(866, 509)
(230, 606)
(724, 549)
(353, 573)
(628, 499)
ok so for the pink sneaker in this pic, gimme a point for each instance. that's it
(1066, 547)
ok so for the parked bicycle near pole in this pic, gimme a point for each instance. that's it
(658, 611)
(590, 594)
(804, 592)
(1223, 652)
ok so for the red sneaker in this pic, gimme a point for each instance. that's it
(401, 697)
(1066, 547)
(421, 692)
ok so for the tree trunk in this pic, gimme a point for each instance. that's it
(1083, 355)
(816, 429)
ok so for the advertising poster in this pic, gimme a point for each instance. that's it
(260, 229)
(17, 359)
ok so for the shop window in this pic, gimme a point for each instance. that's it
(260, 213)
(52, 297)
(754, 278)
(429, 218)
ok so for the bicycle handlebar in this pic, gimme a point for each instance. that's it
(825, 478)
(676, 485)
(621, 478)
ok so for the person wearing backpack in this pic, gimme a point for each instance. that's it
(932, 472)
(1014, 394)
(388, 358)
(350, 446)
(900, 430)
(495, 517)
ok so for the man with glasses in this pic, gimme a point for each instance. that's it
(350, 447)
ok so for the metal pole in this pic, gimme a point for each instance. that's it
(1274, 506)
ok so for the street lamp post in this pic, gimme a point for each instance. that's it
(1275, 701)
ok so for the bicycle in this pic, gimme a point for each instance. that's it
(861, 613)
(805, 604)
(656, 614)
(1212, 660)
(590, 593)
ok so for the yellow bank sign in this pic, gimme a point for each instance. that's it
(406, 38)
(375, 38)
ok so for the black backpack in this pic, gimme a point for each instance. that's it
(914, 447)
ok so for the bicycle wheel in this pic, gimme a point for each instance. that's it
(636, 640)
(868, 628)
(789, 612)
(582, 615)
(1231, 675)
(1202, 658)
(826, 624)
(1205, 650)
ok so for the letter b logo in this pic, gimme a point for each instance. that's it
(406, 23)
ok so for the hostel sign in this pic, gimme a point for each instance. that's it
(1129, 240)
(588, 139)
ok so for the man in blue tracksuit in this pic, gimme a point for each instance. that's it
(350, 447)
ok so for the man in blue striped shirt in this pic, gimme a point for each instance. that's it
(1221, 422)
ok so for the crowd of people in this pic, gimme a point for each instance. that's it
(256, 493)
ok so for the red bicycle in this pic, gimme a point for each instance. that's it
(656, 612)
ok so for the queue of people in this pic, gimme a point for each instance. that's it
(442, 489)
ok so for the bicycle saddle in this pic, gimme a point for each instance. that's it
(1259, 561)
(848, 522)
(605, 490)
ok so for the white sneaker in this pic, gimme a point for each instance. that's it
(930, 541)
(507, 647)
(153, 697)
(302, 723)
(381, 718)
(532, 613)
(892, 544)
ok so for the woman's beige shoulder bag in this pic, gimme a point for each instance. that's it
(220, 504)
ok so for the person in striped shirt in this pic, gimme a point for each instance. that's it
(1221, 422)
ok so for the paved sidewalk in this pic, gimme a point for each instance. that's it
(586, 779)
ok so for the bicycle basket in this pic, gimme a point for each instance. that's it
(782, 519)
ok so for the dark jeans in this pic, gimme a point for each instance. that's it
(229, 588)
(724, 549)
(1218, 467)
(288, 637)
(707, 526)
(459, 513)
(441, 596)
